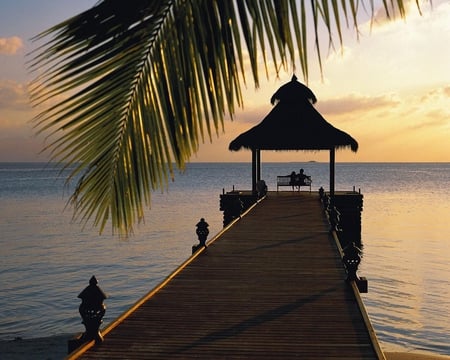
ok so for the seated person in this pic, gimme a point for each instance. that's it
(303, 179)
(293, 179)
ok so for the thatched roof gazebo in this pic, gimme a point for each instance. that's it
(293, 124)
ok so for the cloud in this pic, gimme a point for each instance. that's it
(417, 15)
(252, 115)
(436, 119)
(411, 9)
(355, 103)
(13, 96)
(433, 111)
(446, 91)
(436, 94)
(11, 45)
(425, 111)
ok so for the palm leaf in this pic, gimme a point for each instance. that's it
(131, 88)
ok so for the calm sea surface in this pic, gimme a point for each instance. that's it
(46, 260)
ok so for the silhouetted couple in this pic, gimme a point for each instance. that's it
(300, 179)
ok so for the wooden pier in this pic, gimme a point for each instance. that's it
(271, 286)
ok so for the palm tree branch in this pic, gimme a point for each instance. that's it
(129, 88)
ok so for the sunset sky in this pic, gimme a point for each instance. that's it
(390, 89)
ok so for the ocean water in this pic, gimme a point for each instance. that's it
(46, 259)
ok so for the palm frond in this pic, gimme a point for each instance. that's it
(130, 88)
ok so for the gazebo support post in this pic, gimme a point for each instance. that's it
(332, 167)
(258, 165)
(254, 169)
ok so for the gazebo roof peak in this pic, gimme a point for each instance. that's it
(292, 92)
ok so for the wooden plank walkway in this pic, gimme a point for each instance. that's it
(271, 287)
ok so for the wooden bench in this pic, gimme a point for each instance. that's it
(285, 180)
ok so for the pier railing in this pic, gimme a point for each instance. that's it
(350, 208)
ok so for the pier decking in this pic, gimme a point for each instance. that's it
(271, 286)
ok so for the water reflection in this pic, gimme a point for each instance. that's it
(409, 254)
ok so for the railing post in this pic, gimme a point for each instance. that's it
(335, 219)
(321, 193)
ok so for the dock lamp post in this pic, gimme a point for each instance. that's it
(202, 233)
(351, 259)
(92, 310)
